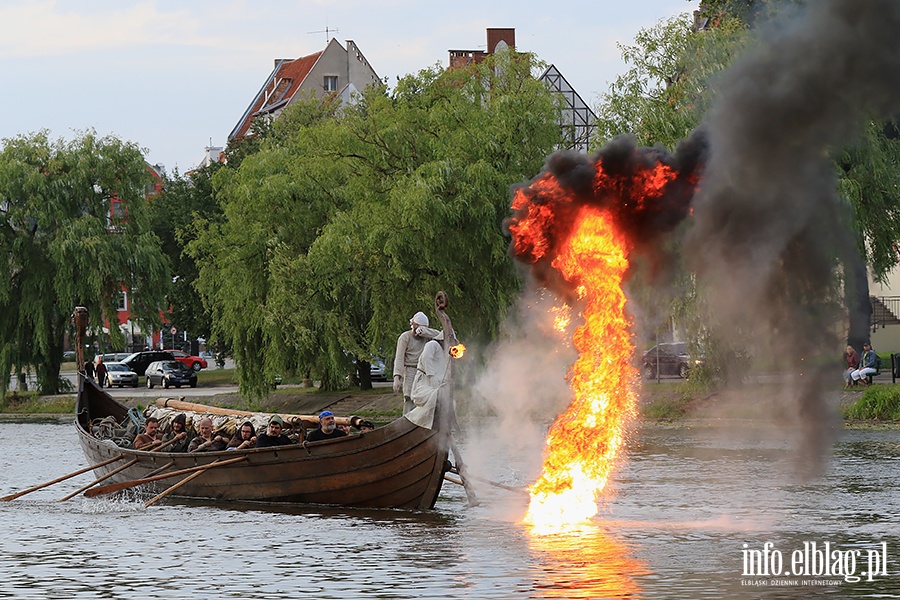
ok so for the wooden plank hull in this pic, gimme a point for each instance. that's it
(400, 465)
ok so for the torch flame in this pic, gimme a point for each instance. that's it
(458, 350)
(583, 443)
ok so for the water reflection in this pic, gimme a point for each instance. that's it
(584, 562)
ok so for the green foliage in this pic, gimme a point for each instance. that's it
(870, 180)
(172, 214)
(64, 246)
(878, 402)
(666, 90)
(216, 377)
(348, 219)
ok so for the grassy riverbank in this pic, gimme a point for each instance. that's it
(670, 401)
(674, 401)
(380, 404)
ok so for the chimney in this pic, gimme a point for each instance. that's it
(495, 35)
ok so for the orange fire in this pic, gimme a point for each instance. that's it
(458, 350)
(583, 443)
(576, 225)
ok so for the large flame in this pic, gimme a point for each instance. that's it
(583, 443)
(575, 225)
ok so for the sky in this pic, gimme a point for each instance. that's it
(176, 76)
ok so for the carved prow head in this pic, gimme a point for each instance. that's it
(441, 302)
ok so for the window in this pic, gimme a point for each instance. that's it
(331, 83)
(118, 210)
(122, 301)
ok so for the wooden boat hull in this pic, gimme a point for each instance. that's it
(400, 465)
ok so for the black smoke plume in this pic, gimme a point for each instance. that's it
(769, 228)
(613, 179)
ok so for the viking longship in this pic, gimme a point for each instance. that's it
(399, 465)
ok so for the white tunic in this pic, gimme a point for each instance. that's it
(430, 384)
(409, 348)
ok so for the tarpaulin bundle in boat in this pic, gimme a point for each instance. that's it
(122, 434)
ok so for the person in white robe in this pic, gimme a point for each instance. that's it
(431, 383)
(410, 344)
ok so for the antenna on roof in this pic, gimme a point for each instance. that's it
(327, 31)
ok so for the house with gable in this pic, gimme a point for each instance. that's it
(334, 70)
(576, 119)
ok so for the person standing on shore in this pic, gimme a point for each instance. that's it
(100, 372)
(409, 349)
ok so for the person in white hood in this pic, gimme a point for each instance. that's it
(409, 348)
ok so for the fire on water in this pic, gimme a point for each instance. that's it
(583, 444)
(576, 224)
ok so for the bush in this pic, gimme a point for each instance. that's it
(879, 402)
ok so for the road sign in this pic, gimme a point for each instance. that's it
(174, 330)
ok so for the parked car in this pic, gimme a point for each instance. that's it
(168, 373)
(138, 361)
(115, 356)
(670, 359)
(192, 362)
(68, 355)
(119, 375)
(377, 370)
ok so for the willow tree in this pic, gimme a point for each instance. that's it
(172, 211)
(869, 178)
(66, 246)
(349, 218)
(275, 201)
(668, 85)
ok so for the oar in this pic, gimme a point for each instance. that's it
(453, 480)
(162, 495)
(124, 485)
(500, 485)
(161, 469)
(63, 478)
(154, 446)
(99, 479)
(463, 474)
(457, 455)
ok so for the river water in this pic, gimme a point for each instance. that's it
(689, 508)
